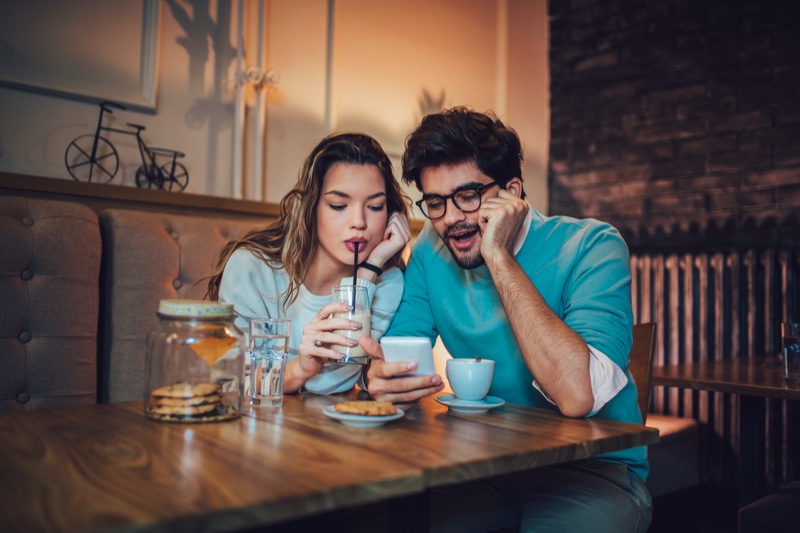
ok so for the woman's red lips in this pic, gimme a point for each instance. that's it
(353, 243)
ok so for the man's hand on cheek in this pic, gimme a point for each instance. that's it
(384, 384)
(500, 219)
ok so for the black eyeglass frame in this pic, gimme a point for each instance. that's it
(479, 189)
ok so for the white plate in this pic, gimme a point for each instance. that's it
(360, 421)
(470, 406)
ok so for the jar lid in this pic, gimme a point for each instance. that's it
(194, 308)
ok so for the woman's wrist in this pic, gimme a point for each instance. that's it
(372, 267)
(295, 376)
(366, 274)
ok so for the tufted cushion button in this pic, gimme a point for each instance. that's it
(23, 397)
(28, 221)
(174, 235)
(24, 336)
(177, 284)
(26, 274)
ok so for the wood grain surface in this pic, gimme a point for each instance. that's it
(752, 376)
(108, 468)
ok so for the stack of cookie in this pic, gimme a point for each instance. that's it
(366, 408)
(184, 400)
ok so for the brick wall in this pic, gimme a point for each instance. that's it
(677, 120)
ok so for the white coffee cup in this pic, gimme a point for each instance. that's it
(470, 379)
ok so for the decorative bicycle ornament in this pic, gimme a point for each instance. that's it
(93, 158)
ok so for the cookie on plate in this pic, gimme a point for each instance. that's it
(366, 408)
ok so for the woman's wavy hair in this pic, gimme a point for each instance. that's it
(461, 135)
(290, 241)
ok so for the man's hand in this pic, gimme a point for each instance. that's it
(500, 219)
(384, 384)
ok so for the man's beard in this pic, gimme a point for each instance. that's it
(466, 260)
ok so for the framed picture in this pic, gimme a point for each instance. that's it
(91, 50)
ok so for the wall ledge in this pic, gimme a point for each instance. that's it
(99, 196)
(102, 196)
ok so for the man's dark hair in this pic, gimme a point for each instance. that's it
(461, 135)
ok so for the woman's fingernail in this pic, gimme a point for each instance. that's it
(411, 366)
(342, 356)
(356, 325)
(352, 342)
(349, 307)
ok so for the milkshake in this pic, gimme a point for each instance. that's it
(356, 353)
(357, 297)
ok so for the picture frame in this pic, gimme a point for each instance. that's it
(49, 46)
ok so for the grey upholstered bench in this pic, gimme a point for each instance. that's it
(149, 256)
(49, 296)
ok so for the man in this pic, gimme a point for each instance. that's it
(548, 298)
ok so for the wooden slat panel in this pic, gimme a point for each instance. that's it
(752, 291)
(734, 268)
(634, 262)
(749, 264)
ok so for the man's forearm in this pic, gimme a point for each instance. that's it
(556, 355)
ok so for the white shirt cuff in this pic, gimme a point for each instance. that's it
(607, 379)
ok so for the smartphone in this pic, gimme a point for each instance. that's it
(417, 349)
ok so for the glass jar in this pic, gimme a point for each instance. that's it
(194, 369)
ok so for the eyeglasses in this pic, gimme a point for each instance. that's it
(467, 200)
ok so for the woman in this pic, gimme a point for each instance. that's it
(346, 196)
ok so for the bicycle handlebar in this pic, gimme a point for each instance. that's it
(106, 105)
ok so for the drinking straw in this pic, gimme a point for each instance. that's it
(355, 275)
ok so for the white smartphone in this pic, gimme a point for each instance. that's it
(417, 349)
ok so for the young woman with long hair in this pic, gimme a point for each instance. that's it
(346, 197)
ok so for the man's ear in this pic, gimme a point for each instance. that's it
(514, 186)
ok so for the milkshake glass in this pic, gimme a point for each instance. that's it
(355, 296)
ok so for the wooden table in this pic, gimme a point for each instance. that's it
(754, 379)
(107, 467)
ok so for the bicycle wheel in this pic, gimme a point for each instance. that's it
(81, 166)
(149, 180)
(179, 179)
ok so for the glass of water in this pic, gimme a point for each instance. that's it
(268, 346)
(790, 338)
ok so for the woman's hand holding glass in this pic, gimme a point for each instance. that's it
(318, 337)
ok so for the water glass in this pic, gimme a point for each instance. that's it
(790, 340)
(268, 346)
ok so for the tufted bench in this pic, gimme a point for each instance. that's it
(49, 265)
(149, 256)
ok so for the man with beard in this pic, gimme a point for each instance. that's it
(547, 298)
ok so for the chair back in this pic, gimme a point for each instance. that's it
(640, 362)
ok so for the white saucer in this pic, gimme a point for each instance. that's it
(360, 421)
(470, 406)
